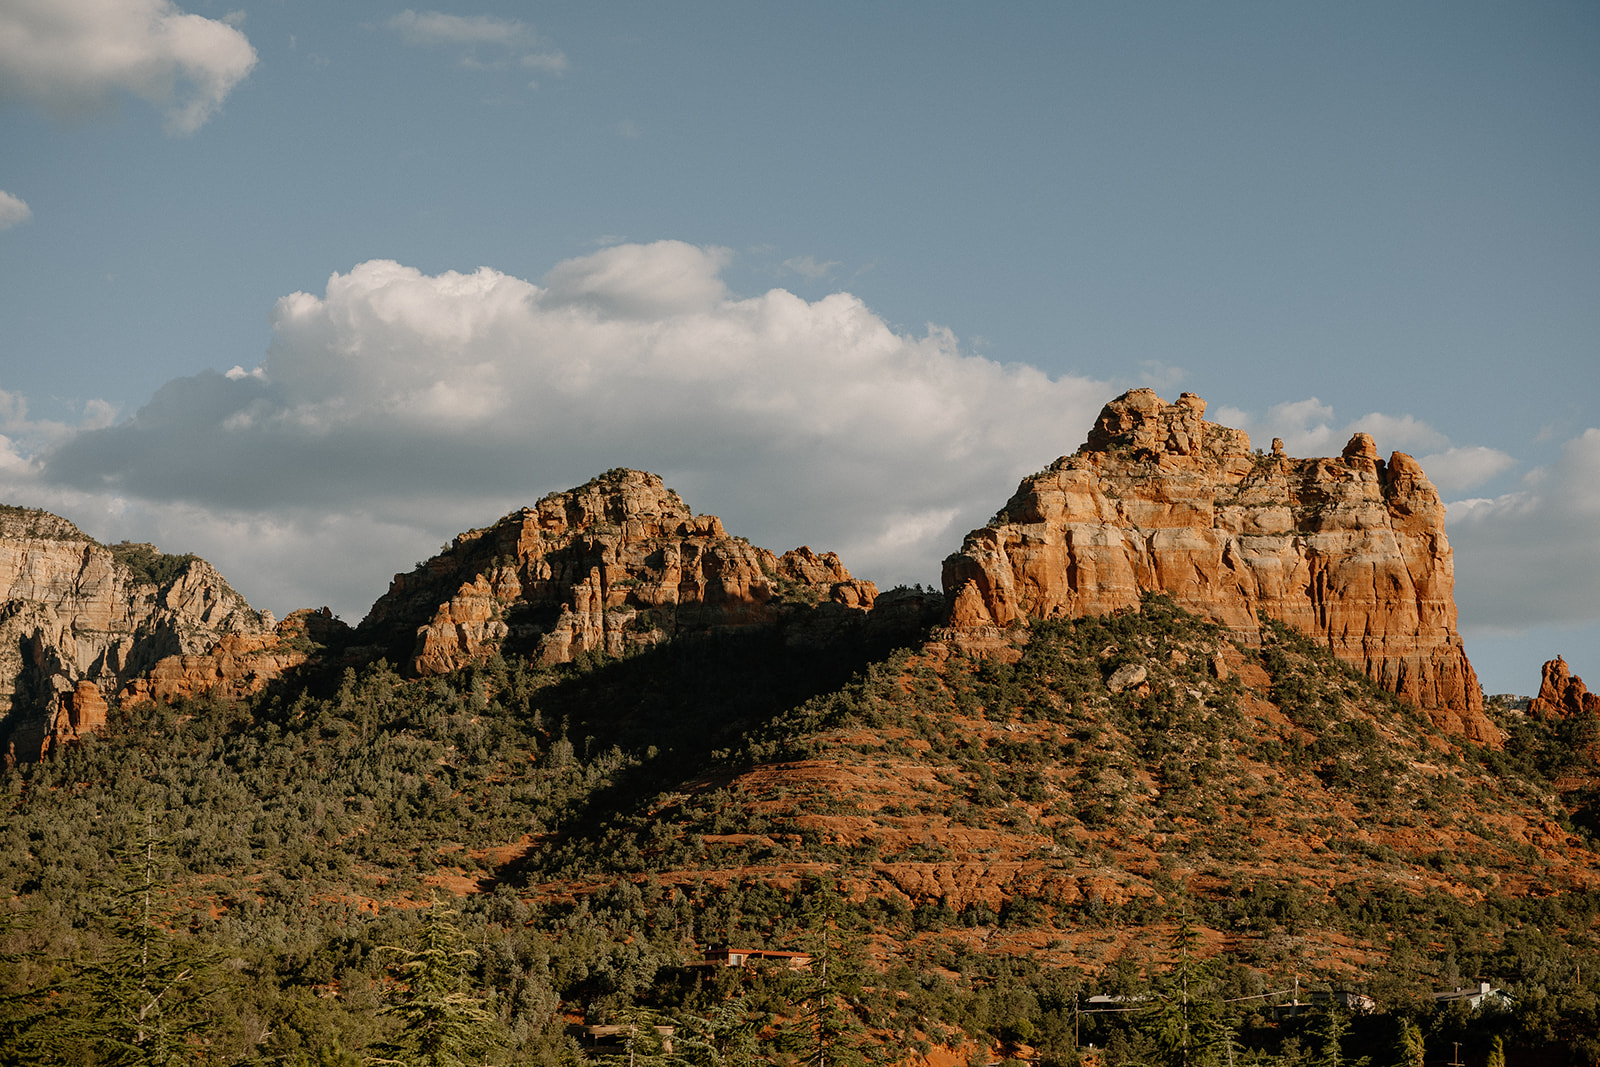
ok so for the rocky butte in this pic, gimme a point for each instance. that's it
(617, 564)
(1349, 550)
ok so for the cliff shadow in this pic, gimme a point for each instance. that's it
(682, 711)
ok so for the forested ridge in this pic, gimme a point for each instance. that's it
(356, 867)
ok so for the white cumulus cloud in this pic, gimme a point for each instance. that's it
(1399, 433)
(13, 211)
(397, 408)
(71, 57)
(488, 33)
(1532, 555)
(1465, 467)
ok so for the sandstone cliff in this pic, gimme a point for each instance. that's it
(80, 620)
(616, 564)
(1350, 550)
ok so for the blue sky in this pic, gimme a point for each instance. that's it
(841, 273)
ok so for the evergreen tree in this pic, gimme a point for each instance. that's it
(1182, 1009)
(1410, 1045)
(442, 1022)
(1219, 1042)
(27, 1013)
(828, 1032)
(1330, 1031)
(727, 1037)
(141, 1001)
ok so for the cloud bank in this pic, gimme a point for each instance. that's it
(1532, 555)
(396, 409)
(71, 57)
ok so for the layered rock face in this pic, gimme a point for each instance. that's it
(1562, 694)
(80, 620)
(1350, 551)
(616, 564)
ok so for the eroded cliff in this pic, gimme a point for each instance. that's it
(80, 620)
(1349, 550)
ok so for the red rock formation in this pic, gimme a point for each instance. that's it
(239, 664)
(616, 564)
(81, 712)
(1350, 551)
(1562, 694)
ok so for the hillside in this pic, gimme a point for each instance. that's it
(983, 841)
(583, 746)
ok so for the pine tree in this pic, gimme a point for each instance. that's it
(727, 1037)
(140, 999)
(1181, 1008)
(1219, 1043)
(442, 1023)
(1330, 1031)
(1410, 1045)
(828, 1032)
(27, 1014)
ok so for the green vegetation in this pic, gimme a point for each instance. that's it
(32, 523)
(272, 863)
(150, 565)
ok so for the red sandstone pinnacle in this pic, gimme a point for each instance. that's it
(1350, 551)
(1562, 694)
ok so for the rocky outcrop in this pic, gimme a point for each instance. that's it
(617, 564)
(80, 620)
(240, 664)
(1349, 550)
(1562, 694)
